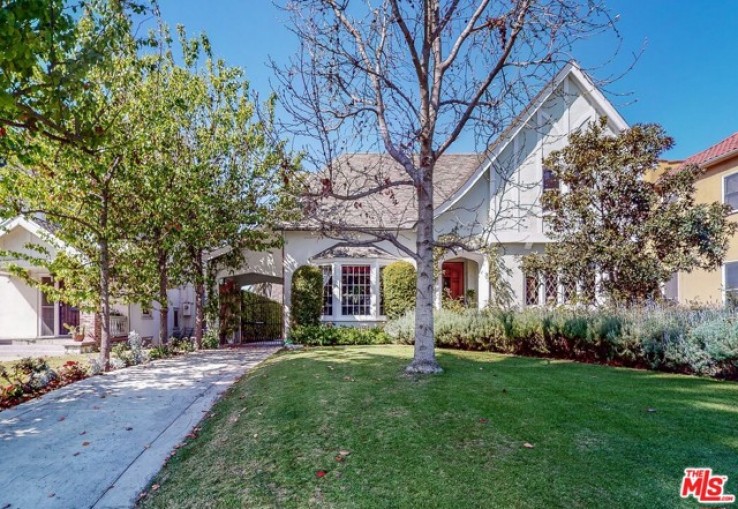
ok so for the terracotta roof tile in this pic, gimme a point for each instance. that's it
(723, 148)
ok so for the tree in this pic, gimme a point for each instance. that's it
(612, 220)
(232, 168)
(408, 79)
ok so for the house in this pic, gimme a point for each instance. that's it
(27, 314)
(718, 182)
(493, 196)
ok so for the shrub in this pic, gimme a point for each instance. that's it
(680, 340)
(210, 340)
(307, 296)
(326, 335)
(399, 286)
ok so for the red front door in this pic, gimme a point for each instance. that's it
(453, 280)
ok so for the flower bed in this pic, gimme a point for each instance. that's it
(30, 378)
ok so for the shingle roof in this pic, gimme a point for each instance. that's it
(392, 208)
(723, 148)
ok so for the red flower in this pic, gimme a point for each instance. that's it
(320, 473)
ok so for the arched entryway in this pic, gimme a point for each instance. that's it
(251, 309)
(463, 279)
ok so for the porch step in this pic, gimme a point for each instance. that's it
(59, 340)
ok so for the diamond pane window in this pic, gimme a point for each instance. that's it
(356, 290)
(531, 290)
(551, 287)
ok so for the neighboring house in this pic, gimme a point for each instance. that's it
(26, 313)
(718, 182)
(494, 196)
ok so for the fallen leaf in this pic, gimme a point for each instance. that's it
(83, 433)
(320, 473)
(129, 428)
(339, 458)
(651, 410)
(154, 487)
(61, 418)
(85, 444)
(344, 452)
(484, 420)
(76, 454)
(51, 495)
(528, 445)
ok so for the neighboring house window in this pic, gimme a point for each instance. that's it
(48, 308)
(327, 290)
(550, 183)
(730, 186)
(356, 290)
(731, 284)
(175, 319)
(381, 291)
(146, 311)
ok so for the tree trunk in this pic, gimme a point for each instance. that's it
(163, 296)
(105, 305)
(424, 358)
(199, 300)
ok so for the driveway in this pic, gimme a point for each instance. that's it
(98, 443)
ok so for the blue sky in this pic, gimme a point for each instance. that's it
(686, 78)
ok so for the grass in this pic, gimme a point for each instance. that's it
(57, 362)
(602, 437)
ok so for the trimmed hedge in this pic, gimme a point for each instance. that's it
(703, 342)
(326, 335)
(399, 286)
(307, 296)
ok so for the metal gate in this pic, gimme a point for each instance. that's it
(261, 318)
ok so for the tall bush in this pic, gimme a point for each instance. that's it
(398, 284)
(307, 296)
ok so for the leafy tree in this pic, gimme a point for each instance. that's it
(231, 166)
(71, 128)
(610, 219)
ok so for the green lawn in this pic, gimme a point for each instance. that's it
(601, 437)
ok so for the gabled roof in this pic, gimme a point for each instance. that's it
(716, 153)
(38, 227)
(454, 174)
(571, 69)
(348, 251)
(393, 208)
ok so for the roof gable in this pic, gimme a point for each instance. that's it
(587, 87)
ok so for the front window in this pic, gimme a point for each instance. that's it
(327, 290)
(356, 290)
(531, 289)
(731, 191)
(381, 291)
(731, 284)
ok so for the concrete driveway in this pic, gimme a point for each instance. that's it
(97, 443)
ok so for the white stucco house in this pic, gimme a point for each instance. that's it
(495, 194)
(27, 314)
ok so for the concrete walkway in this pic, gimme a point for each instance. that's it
(97, 443)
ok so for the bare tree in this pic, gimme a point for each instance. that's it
(409, 79)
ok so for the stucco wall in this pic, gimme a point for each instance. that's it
(18, 309)
(700, 285)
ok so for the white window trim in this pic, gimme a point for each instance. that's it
(40, 325)
(374, 265)
(724, 280)
(722, 190)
